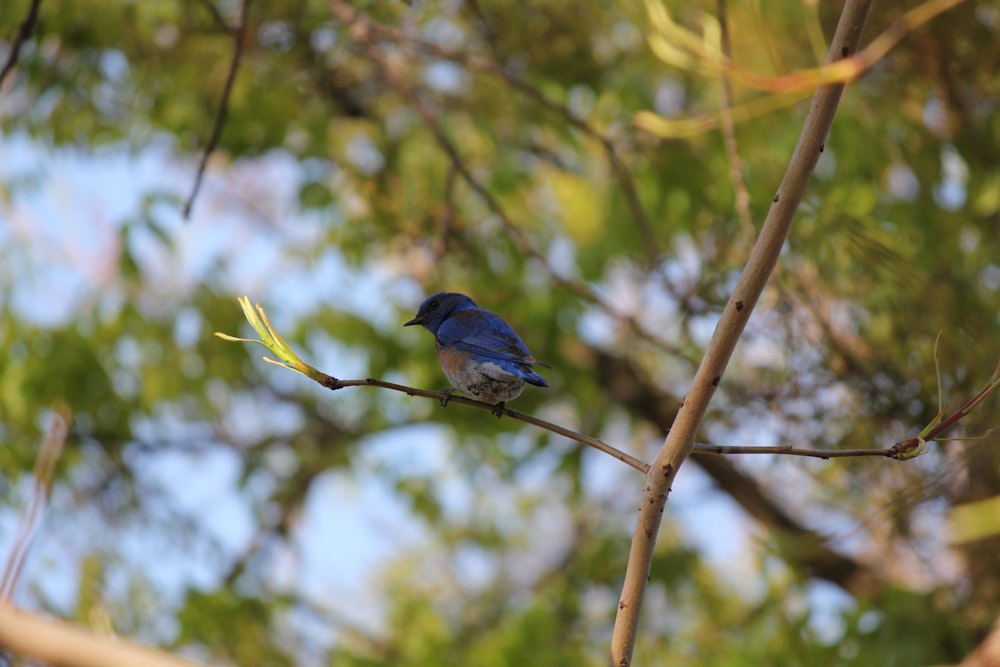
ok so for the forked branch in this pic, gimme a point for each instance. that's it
(764, 257)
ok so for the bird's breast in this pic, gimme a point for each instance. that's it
(453, 362)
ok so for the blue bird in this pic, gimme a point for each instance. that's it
(479, 353)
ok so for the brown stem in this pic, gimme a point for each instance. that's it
(646, 401)
(333, 383)
(680, 440)
(63, 644)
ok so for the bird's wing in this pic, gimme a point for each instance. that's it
(482, 332)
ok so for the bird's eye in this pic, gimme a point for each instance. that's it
(433, 304)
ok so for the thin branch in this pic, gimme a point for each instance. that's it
(814, 556)
(644, 400)
(445, 397)
(239, 34)
(287, 358)
(764, 257)
(273, 341)
(27, 25)
(893, 452)
(916, 445)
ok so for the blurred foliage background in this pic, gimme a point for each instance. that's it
(377, 152)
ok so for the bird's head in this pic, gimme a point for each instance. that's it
(436, 309)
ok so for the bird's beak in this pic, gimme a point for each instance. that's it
(415, 320)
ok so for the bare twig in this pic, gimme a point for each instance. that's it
(239, 33)
(287, 358)
(27, 25)
(644, 400)
(916, 445)
(764, 257)
(884, 452)
(333, 383)
(814, 556)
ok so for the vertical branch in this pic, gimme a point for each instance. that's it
(220, 118)
(763, 259)
(27, 25)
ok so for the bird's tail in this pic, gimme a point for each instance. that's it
(534, 378)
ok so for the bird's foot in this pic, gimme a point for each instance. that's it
(498, 409)
(447, 396)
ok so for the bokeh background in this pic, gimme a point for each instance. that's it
(228, 510)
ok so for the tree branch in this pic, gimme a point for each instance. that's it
(27, 25)
(239, 33)
(445, 397)
(790, 450)
(287, 358)
(680, 440)
(645, 401)
(63, 644)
